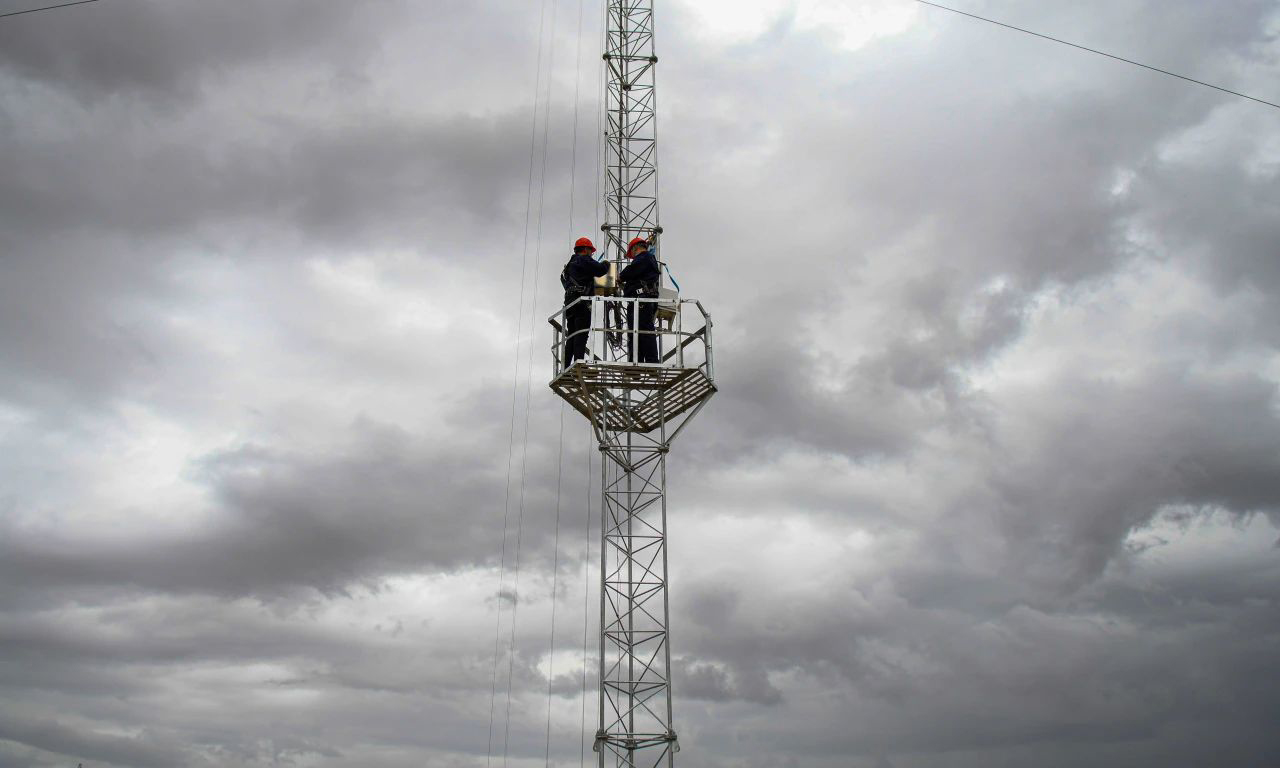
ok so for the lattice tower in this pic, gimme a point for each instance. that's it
(637, 410)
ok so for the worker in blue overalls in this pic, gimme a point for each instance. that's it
(578, 279)
(640, 280)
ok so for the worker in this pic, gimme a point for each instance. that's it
(578, 279)
(640, 280)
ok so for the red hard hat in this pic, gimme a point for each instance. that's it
(634, 242)
(584, 242)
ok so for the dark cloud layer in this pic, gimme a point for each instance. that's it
(166, 51)
(991, 478)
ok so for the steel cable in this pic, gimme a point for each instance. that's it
(555, 563)
(586, 606)
(528, 389)
(586, 566)
(555, 571)
(1100, 53)
(45, 8)
(515, 386)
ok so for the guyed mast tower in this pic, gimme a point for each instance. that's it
(636, 409)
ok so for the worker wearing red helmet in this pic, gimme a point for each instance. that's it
(640, 279)
(578, 279)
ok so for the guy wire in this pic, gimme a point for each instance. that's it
(515, 380)
(555, 563)
(533, 309)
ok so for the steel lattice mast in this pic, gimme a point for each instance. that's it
(636, 410)
(630, 108)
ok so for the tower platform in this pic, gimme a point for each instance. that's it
(619, 395)
(659, 393)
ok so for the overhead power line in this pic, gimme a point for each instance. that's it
(1102, 53)
(46, 8)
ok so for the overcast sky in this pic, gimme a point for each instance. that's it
(993, 478)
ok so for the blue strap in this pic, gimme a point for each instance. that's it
(673, 277)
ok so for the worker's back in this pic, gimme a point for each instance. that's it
(578, 277)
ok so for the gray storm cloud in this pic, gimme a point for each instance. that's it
(991, 479)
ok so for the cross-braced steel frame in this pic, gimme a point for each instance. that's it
(631, 134)
(636, 409)
(635, 726)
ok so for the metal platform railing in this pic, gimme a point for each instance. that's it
(683, 337)
(621, 395)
